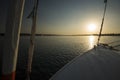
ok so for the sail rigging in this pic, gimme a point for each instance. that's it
(32, 15)
(105, 1)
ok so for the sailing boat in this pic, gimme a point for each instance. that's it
(100, 63)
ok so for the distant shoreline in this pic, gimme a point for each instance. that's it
(25, 34)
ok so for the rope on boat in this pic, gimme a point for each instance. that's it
(117, 45)
(112, 47)
(32, 15)
(114, 42)
(105, 1)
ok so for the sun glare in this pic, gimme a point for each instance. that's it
(91, 27)
(91, 41)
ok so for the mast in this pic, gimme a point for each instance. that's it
(11, 39)
(32, 15)
(105, 1)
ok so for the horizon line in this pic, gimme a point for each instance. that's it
(47, 34)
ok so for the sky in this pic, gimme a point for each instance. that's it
(67, 16)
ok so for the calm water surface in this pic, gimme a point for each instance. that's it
(53, 52)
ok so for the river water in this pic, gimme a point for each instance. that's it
(53, 52)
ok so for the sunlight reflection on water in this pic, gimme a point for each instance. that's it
(91, 41)
(53, 52)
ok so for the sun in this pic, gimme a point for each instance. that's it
(91, 27)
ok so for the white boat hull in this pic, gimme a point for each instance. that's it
(99, 63)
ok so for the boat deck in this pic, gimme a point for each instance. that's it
(100, 63)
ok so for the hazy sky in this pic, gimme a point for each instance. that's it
(68, 16)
